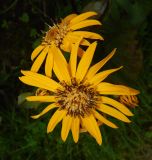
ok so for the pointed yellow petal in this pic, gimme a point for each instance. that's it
(95, 68)
(69, 17)
(82, 17)
(85, 23)
(104, 120)
(75, 127)
(113, 112)
(112, 89)
(57, 72)
(70, 37)
(41, 98)
(60, 66)
(85, 42)
(80, 52)
(66, 125)
(102, 75)
(73, 57)
(49, 63)
(83, 129)
(48, 108)
(38, 80)
(85, 62)
(87, 34)
(36, 83)
(36, 51)
(66, 45)
(91, 125)
(55, 119)
(38, 62)
(117, 105)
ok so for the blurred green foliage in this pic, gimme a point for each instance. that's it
(127, 26)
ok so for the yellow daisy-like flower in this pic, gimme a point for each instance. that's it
(63, 35)
(81, 95)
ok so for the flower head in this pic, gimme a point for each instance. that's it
(63, 35)
(129, 100)
(80, 96)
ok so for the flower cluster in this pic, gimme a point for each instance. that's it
(77, 92)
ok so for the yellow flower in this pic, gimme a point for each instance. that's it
(63, 35)
(81, 95)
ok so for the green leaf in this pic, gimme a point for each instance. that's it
(99, 6)
(27, 104)
(36, 43)
(22, 97)
(24, 18)
(148, 134)
(33, 32)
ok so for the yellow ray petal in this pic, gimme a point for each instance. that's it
(36, 51)
(55, 119)
(82, 129)
(49, 63)
(84, 23)
(75, 127)
(66, 125)
(73, 39)
(65, 46)
(59, 54)
(60, 66)
(48, 108)
(117, 105)
(73, 57)
(36, 83)
(38, 80)
(69, 39)
(57, 72)
(87, 34)
(102, 75)
(69, 17)
(91, 125)
(41, 98)
(95, 68)
(112, 89)
(38, 62)
(85, 62)
(104, 120)
(82, 17)
(84, 42)
(113, 112)
(80, 52)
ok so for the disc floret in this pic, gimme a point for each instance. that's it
(77, 98)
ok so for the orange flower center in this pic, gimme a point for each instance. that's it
(77, 98)
(56, 33)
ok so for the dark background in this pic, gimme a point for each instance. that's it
(127, 26)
